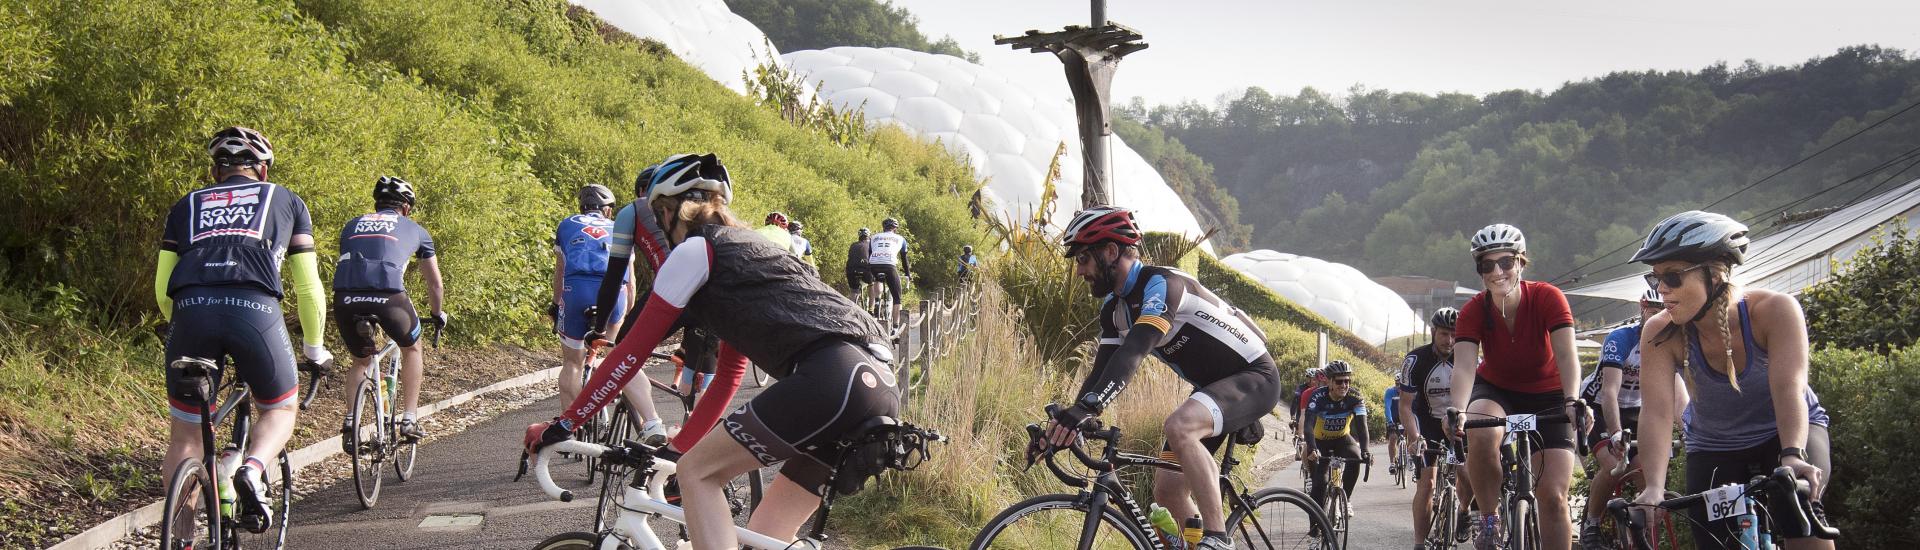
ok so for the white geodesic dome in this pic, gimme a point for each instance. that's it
(1008, 132)
(704, 33)
(1342, 294)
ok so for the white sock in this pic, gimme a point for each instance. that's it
(650, 424)
(409, 416)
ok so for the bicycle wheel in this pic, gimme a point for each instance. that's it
(570, 541)
(760, 376)
(368, 441)
(403, 453)
(280, 500)
(1523, 529)
(191, 512)
(615, 480)
(1280, 518)
(1056, 521)
(1440, 517)
(1340, 510)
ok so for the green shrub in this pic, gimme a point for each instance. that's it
(1868, 395)
(1874, 300)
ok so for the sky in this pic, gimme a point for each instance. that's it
(1201, 49)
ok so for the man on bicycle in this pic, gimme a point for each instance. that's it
(1316, 378)
(1390, 400)
(1335, 424)
(1614, 390)
(218, 280)
(801, 245)
(1209, 343)
(582, 248)
(370, 280)
(967, 262)
(857, 275)
(1426, 379)
(887, 258)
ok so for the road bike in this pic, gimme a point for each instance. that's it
(1765, 511)
(1519, 513)
(1403, 462)
(1629, 481)
(1104, 514)
(375, 438)
(1339, 509)
(1444, 505)
(201, 497)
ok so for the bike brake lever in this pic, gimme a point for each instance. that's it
(523, 467)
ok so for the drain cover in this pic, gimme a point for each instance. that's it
(456, 520)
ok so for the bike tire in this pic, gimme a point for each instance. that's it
(614, 483)
(1522, 528)
(367, 451)
(190, 484)
(404, 454)
(1440, 517)
(570, 541)
(280, 498)
(1280, 519)
(1056, 521)
(1341, 510)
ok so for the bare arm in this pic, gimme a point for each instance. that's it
(436, 288)
(559, 272)
(1781, 328)
(1657, 364)
(1610, 397)
(1409, 424)
(1466, 368)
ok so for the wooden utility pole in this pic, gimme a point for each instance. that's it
(1091, 55)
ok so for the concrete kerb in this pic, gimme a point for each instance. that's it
(112, 530)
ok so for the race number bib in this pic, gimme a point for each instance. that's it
(1522, 422)
(1725, 502)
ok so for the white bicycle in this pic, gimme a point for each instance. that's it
(899, 446)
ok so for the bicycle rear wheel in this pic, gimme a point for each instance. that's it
(1057, 521)
(368, 442)
(280, 499)
(570, 541)
(1280, 518)
(191, 512)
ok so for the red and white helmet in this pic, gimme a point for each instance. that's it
(1100, 224)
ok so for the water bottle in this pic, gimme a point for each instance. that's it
(223, 479)
(388, 384)
(1163, 520)
(1193, 532)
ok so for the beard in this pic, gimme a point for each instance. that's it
(1101, 285)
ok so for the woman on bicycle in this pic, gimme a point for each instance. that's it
(1522, 333)
(763, 304)
(1743, 358)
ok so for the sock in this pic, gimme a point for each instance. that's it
(1220, 534)
(409, 417)
(650, 424)
(257, 464)
(1489, 523)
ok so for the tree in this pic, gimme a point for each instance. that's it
(1873, 300)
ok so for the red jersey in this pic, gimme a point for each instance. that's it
(1520, 359)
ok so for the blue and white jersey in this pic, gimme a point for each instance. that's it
(584, 241)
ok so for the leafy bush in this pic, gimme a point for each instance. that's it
(1874, 300)
(1868, 396)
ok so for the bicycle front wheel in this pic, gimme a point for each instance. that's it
(615, 481)
(1049, 522)
(570, 541)
(1440, 519)
(367, 439)
(1279, 518)
(1523, 526)
(280, 499)
(190, 515)
(1338, 507)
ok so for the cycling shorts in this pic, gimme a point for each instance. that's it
(392, 311)
(1432, 430)
(1629, 419)
(1557, 435)
(889, 275)
(576, 295)
(1238, 400)
(802, 418)
(1709, 469)
(229, 322)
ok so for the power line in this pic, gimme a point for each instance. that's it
(1856, 199)
(1911, 153)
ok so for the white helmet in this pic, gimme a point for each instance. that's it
(1651, 296)
(685, 172)
(1498, 237)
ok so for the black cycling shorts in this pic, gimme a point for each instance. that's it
(1709, 469)
(1629, 419)
(1433, 430)
(890, 275)
(801, 418)
(244, 324)
(392, 311)
(1557, 435)
(857, 276)
(1238, 400)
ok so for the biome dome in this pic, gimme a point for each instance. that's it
(704, 33)
(1342, 294)
(1008, 132)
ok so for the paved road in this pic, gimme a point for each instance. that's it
(1382, 512)
(464, 480)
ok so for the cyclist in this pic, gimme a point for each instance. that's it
(582, 246)
(801, 245)
(1335, 424)
(1761, 416)
(827, 356)
(1316, 379)
(1390, 401)
(968, 262)
(777, 233)
(370, 280)
(1522, 333)
(857, 275)
(887, 258)
(1426, 379)
(218, 281)
(1209, 343)
(1613, 391)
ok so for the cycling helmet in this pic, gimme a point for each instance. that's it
(889, 224)
(776, 218)
(595, 195)
(1498, 237)
(1696, 237)
(968, 249)
(1338, 367)
(643, 181)
(864, 232)
(795, 226)
(1651, 296)
(1100, 224)
(392, 189)
(240, 146)
(684, 172)
(1445, 318)
(1316, 372)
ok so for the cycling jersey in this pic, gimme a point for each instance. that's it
(804, 248)
(635, 219)
(234, 234)
(1518, 359)
(1737, 420)
(1391, 401)
(1429, 378)
(375, 249)
(779, 237)
(1622, 351)
(1201, 337)
(887, 248)
(1329, 418)
(584, 241)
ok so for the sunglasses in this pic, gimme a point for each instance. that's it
(1673, 279)
(1486, 266)
(1343, 381)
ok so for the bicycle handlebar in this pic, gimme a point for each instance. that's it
(1786, 496)
(1557, 416)
(542, 474)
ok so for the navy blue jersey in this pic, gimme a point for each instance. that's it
(233, 234)
(375, 249)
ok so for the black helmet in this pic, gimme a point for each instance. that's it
(643, 182)
(595, 195)
(794, 227)
(889, 224)
(864, 232)
(1338, 367)
(1445, 318)
(1695, 236)
(392, 189)
(968, 249)
(240, 146)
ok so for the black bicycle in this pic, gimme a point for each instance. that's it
(1105, 515)
(1519, 512)
(1766, 510)
(199, 510)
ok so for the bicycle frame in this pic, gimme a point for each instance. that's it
(1517, 478)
